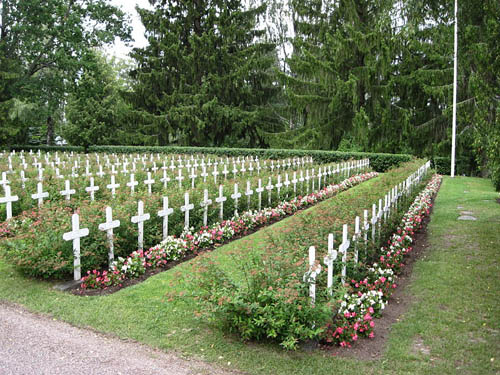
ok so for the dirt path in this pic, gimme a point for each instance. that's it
(34, 344)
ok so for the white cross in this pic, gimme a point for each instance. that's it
(215, 173)
(286, 183)
(204, 173)
(235, 170)
(374, 220)
(165, 179)
(113, 186)
(259, 191)
(269, 189)
(248, 193)
(40, 175)
(100, 173)
(193, 177)
(179, 178)
(278, 186)
(225, 172)
(75, 235)
(294, 182)
(8, 199)
(205, 203)
(186, 208)
(67, 192)
(343, 249)
(250, 168)
(221, 199)
(4, 180)
(108, 227)
(155, 168)
(40, 194)
(132, 184)
(139, 220)
(328, 260)
(149, 182)
(366, 225)
(236, 196)
(23, 180)
(165, 212)
(91, 189)
(312, 274)
(355, 238)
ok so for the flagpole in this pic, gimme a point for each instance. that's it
(454, 120)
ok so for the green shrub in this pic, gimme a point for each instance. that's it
(271, 304)
(463, 166)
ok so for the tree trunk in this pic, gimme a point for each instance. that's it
(50, 131)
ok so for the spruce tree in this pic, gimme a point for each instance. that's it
(207, 77)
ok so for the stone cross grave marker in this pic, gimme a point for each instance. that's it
(294, 182)
(139, 220)
(113, 186)
(204, 204)
(149, 182)
(132, 184)
(366, 226)
(225, 172)
(269, 189)
(92, 189)
(8, 199)
(23, 180)
(75, 235)
(311, 275)
(165, 179)
(259, 191)
(278, 186)
(343, 249)
(100, 173)
(328, 260)
(67, 192)
(215, 174)
(40, 194)
(248, 193)
(374, 220)
(4, 181)
(221, 199)
(165, 213)
(307, 180)
(193, 177)
(186, 208)
(355, 238)
(108, 227)
(179, 178)
(236, 196)
(204, 173)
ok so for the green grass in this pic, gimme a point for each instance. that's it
(455, 289)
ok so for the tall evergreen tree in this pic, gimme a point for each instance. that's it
(339, 70)
(206, 77)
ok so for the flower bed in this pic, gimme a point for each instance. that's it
(366, 298)
(175, 248)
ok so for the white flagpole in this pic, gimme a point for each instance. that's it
(454, 120)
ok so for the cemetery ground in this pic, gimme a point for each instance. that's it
(451, 325)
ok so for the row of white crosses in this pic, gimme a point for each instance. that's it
(360, 233)
(149, 164)
(40, 195)
(77, 233)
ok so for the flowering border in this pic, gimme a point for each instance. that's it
(368, 297)
(175, 248)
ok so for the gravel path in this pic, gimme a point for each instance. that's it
(34, 344)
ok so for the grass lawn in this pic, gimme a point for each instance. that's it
(452, 327)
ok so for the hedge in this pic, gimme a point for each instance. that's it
(463, 166)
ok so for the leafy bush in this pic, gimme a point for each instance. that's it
(463, 166)
(272, 302)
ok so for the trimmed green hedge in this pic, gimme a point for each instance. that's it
(378, 161)
(46, 148)
(463, 166)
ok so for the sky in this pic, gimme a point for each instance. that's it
(119, 49)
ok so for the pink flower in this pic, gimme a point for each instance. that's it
(372, 324)
(371, 335)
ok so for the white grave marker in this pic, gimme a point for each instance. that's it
(8, 199)
(221, 199)
(165, 213)
(75, 235)
(108, 227)
(139, 220)
(186, 208)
